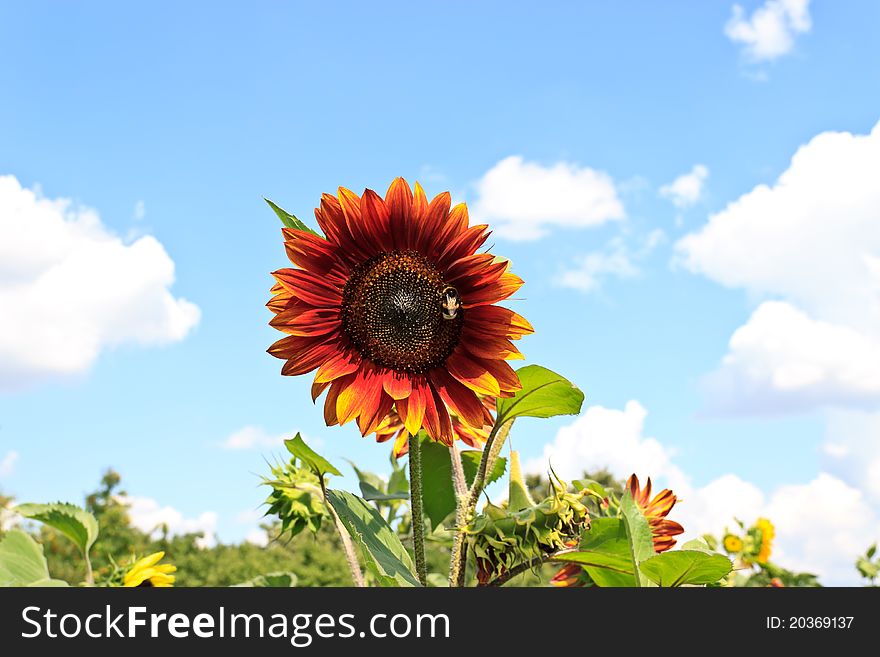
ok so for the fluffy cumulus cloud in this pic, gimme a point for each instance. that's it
(607, 438)
(70, 288)
(687, 189)
(7, 463)
(852, 450)
(525, 200)
(810, 242)
(771, 29)
(822, 525)
(148, 515)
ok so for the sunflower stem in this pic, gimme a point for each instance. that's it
(459, 547)
(415, 497)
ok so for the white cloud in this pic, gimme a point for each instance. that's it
(251, 437)
(149, 516)
(617, 259)
(687, 189)
(607, 438)
(7, 463)
(783, 360)
(852, 450)
(524, 200)
(821, 525)
(70, 288)
(587, 273)
(771, 29)
(257, 537)
(811, 240)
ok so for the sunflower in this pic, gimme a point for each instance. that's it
(656, 510)
(733, 544)
(571, 575)
(392, 427)
(395, 309)
(149, 572)
(767, 532)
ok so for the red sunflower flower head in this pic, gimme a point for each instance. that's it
(395, 309)
(655, 511)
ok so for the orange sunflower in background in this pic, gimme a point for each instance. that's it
(655, 511)
(394, 308)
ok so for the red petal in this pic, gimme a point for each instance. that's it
(308, 287)
(376, 220)
(332, 397)
(306, 320)
(399, 201)
(437, 422)
(308, 359)
(432, 221)
(493, 292)
(488, 346)
(397, 384)
(412, 408)
(317, 389)
(465, 244)
(363, 393)
(498, 321)
(340, 364)
(457, 396)
(473, 373)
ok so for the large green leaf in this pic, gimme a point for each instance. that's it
(638, 531)
(288, 219)
(604, 545)
(271, 580)
(22, 562)
(543, 394)
(380, 546)
(438, 498)
(77, 524)
(610, 578)
(685, 567)
(319, 465)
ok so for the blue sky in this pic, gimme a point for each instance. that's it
(172, 121)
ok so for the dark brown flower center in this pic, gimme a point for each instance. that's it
(392, 310)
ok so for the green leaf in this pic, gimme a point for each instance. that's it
(380, 546)
(438, 494)
(21, 560)
(77, 524)
(604, 545)
(610, 578)
(698, 544)
(589, 484)
(288, 219)
(373, 494)
(638, 531)
(318, 464)
(685, 567)
(281, 580)
(470, 463)
(544, 394)
(48, 583)
(871, 551)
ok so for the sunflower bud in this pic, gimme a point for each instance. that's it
(296, 498)
(520, 530)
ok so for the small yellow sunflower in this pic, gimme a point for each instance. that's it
(733, 544)
(767, 533)
(149, 572)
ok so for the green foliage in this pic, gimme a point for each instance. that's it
(604, 545)
(638, 532)
(869, 566)
(682, 567)
(543, 394)
(78, 525)
(289, 220)
(22, 562)
(318, 464)
(296, 497)
(381, 549)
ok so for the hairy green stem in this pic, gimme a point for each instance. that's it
(415, 497)
(465, 510)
